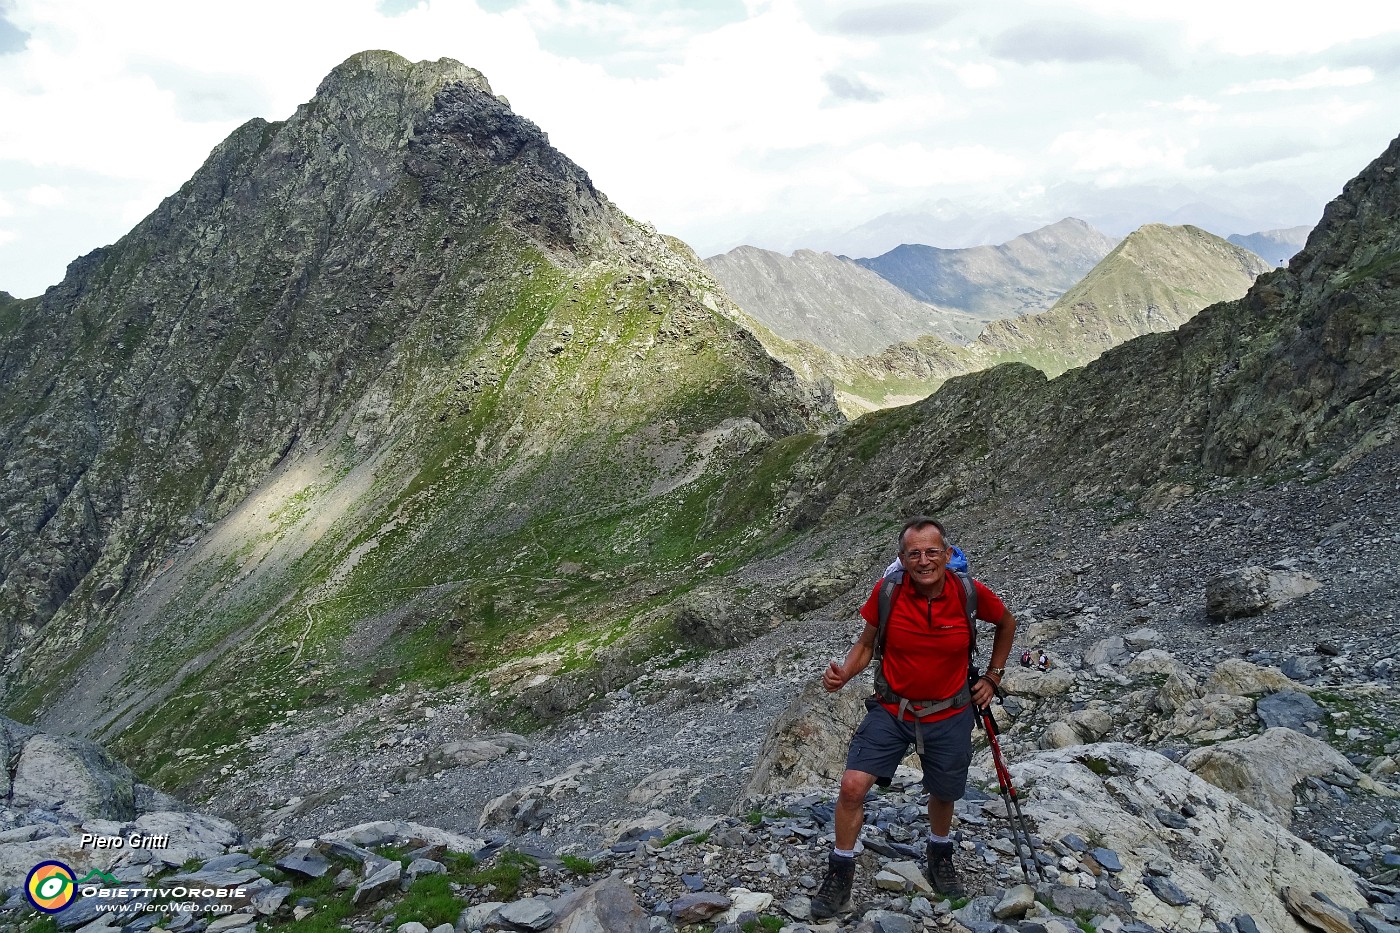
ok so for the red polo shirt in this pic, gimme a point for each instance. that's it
(926, 641)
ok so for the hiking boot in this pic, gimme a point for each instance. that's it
(834, 896)
(940, 872)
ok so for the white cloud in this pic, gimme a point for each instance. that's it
(1322, 77)
(8, 236)
(1260, 27)
(913, 165)
(978, 75)
(710, 118)
(1103, 150)
(45, 196)
(1192, 104)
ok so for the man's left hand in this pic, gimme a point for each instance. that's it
(983, 692)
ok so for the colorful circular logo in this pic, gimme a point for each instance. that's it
(50, 886)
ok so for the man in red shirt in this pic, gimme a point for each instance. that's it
(926, 661)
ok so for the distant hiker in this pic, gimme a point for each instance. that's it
(1026, 658)
(924, 645)
(1044, 663)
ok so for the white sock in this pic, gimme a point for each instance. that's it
(937, 839)
(843, 853)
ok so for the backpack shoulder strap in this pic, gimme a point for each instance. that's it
(969, 602)
(888, 587)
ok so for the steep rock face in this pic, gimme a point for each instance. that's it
(1022, 276)
(1153, 281)
(832, 302)
(1304, 365)
(362, 360)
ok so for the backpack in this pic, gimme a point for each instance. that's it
(889, 585)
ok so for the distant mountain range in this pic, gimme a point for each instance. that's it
(1155, 280)
(857, 307)
(833, 302)
(965, 222)
(1023, 275)
(1277, 246)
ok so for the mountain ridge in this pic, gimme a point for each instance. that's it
(1154, 280)
(1026, 273)
(350, 336)
(832, 301)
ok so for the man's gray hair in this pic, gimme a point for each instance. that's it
(919, 522)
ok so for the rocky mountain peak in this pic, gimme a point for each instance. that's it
(373, 84)
(401, 305)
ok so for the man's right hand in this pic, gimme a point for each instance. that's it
(834, 677)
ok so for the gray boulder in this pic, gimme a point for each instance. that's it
(1262, 770)
(606, 907)
(1241, 678)
(404, 832)
(1112, 651)
(383, 882)
(1153, 661)
(1248, 591)
(1029, 682)
(1212, 718)
(1110, 791)
(1290, 709)
(698, 908)
(304, 861)
(531, 913)
(1141, 639)
(1179, 689)
(716, 617)
(806, 745)
(80, 775)
(476, 751)
(1078, 728)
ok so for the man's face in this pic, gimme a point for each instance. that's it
(925, 555)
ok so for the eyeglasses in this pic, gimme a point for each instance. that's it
(932, 553)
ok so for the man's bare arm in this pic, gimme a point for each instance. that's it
(837, 675)
(983, 691)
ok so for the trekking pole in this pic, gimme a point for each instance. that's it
(1014, 817)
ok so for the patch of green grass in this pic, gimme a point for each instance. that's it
(429, 901)
(676, 836)
(507, 874)
(45, 923)
(769, 924)
(327, 917)
(1342, 712)
(1381, 264)
(578, 865)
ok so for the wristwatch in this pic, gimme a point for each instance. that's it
(999, 671)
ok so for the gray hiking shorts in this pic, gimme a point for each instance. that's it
(882, 741)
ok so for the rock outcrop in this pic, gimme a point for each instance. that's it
(1128, 799)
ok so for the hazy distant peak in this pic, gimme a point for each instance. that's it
(1277, 246)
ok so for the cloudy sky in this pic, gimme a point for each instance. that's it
(781, 123)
